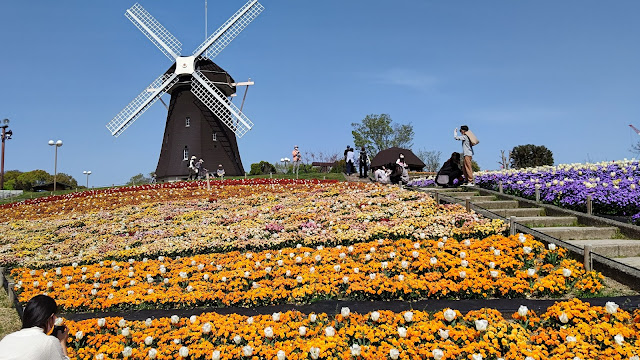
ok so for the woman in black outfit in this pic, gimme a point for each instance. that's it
(450, 171)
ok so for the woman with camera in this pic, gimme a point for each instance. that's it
(32, 341)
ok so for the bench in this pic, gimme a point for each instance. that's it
(324, 166)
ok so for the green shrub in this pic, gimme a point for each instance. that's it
(262, 168)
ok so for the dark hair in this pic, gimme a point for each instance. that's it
(464, 127)
(455, 157)
(38, 311)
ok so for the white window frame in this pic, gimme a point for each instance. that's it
(185, 154)
(187, 122)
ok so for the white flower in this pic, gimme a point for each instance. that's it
(355, 350)
(299, 279)
(527, 250)
(463, 274)
(372, 276)
(523, 311)
(153, 353)
(464, 263)
(611, 307)
(206, 328)
(175, 319)
(493, 273)
(237, 339)
(531, 272)
(433, 261)
(350, 249)
(102, 322)
(467, 243)
(437, 354)
(476, 357)
(408, 316)
(415, 254)
(522, 238)
(148, 322)
(127, 352)
(345, 279)
(367, 257)
(314, 352)
(126, 332)
(148, 340)
(356, 270)
(184, 352)
(619, 339)
(275, 316)
(400, 277)
(392, 255)
(122, 323)
(330, 331)
(247, 351)
(384, 264)
(566, 272)
(563, 318)
(193, 319)
(404, 264)
(571, 339)
(449, 315)
(481, 325)
(302, 331)
(492, 265)
(440, 244)
(280, 355)
(314, 317)
(402, 332)
(177, 341)
(250, 320)
(375, 316)
(394, 353)
(79, 335)
(496, 252)
(444, 334)
(463, 255)
(372, 249)
(551, 246)
(59, 321)
(99, 356)
(268, 332)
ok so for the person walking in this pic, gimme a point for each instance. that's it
(193, 171)
(467, 153)
(350, 161)
(363, 162)
(296, 159)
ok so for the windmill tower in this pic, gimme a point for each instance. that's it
(201, 120)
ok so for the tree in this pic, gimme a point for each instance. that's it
(27, 180)
(261, 168)
(530, 155)
(139, 179)
(430, 158)
(10, 179)
(63, 178)
(376, 133)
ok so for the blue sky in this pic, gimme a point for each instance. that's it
(563, 74)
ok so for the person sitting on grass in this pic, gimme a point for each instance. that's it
(32, 341)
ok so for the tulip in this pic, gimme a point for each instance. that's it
(437, 354)
(415, 254)
(127, 352)
(276, 316)
(481, 325)
(527, 250)
(463, 255)
(402, 332)
(492, 265)
(215, 355)
(344, 311)
(247, 351)
(611, 307)
(522, 238)
(563, 318)
(99, 356)
(566, 272)
(531, 272)
(250, 320)
(268, 332)
(330, 331)
(394, 353)
(355, 350)
(619, 339)
(148, 340)
(444, 334)
(433, 261)
(496, 252)
(408, 316)
(153, 353)
(375, 316)
(79, 335)
(462, 274)
(206, 328)
(476, 357)
(523, 311)
(147, 322)
(177, 341)
(237, 339)
(280, 355)
(175, 319)
(570, 339)
(551, 246)
(102, 322)
(449, 315)
(314, 352)
(126, 332)
(400, 277)
(493, 273)
(302, 331)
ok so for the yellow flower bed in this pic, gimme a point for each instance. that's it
(153, 221)
(589, 332)
(495, 266)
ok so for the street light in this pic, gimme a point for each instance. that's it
(6, 135)
(87, 172)
(285, 161)
(57, 144)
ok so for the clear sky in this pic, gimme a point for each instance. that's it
(564, 74)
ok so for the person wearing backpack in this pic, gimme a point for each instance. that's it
(468, 141)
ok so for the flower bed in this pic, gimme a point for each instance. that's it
(152, 221)
(495, 266)
(613, 186)
(567, 330)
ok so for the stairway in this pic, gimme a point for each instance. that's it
(605, 240)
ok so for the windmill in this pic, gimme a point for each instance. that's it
(201, 120)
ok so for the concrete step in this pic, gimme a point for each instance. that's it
(461, 194)
(539, 221)
(612, 248)
(519, 212)
(633, 261)
(475, 199)
(579, 232)
(498, 204)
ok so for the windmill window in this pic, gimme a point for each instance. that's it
(215, 137)
(187, 122)
(185, 153)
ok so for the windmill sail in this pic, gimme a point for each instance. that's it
(152, 29)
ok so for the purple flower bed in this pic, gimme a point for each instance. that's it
(612, 186)
(422, 182)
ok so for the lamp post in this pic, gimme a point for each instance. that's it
(57, 144)
(286, 166)
(87, 172)
(6, 135)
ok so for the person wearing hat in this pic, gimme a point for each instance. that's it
(200, 170)
(220, 172)
(467, 152)
(193, 171)
(296, 159)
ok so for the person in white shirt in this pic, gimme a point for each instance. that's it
(382, 175)
(220, 171)
(350, 161)
(32, 341)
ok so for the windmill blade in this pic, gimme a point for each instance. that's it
(141, 103)
(217, 102)
(153, 30)
(229, 30)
